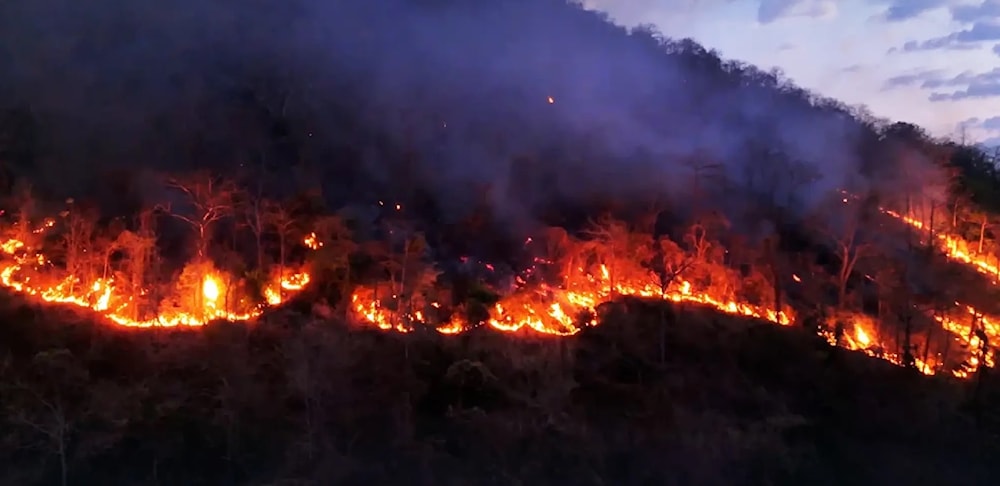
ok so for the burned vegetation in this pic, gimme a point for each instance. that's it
(358, 278)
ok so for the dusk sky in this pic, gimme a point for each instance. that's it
(931, 62)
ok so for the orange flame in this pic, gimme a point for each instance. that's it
(561, 311)
(24, 271)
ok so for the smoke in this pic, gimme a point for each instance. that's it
(464, 88)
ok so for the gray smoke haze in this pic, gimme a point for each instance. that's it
(465, 85)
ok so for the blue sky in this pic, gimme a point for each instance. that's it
(931, 62)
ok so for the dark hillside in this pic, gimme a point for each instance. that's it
(722, 402)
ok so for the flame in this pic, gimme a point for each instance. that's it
(562, 311)
(859, 334)
(955, 249)
(26, 270)
(285, 286)
(312, 242)
(567, 309)
(210, 289)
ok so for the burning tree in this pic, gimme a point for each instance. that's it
(281, 219)
(669, 262)
(78, 241)
(843, 222)
(620, 252)
(333, 249)
(210, 199)
(140, 250)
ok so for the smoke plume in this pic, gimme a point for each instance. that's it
(470, 95)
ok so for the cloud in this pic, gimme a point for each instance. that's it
(967, 14)
(900, 10)
(983, 20)
(773, 10)
(923, 79)
(974, 86)
(634, 12)
(996, 49)
(638, 11)
(992, 123)
(962, 86)
(962, 40)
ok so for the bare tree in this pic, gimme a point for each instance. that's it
(78, 241)
(280, 218)
(669, 262)
(333, 258)
(23, 202)
(843, 224)
(608, 242)
(704, 172)
(255, 216)
(139, 250)
(210, 197)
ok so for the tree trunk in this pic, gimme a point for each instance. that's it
(982, 234)
(930, 228)
(202, 244)
(907, 338)
(260, 248)
(954, 216)
(842, 288)
(402, 282)
(63, 473)
(281, 267)
(927, 348)
(663, 334)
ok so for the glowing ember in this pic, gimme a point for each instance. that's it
(312, 242)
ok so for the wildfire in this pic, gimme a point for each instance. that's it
(26, 270)
(561, 311)
(860, 333)
(956, 249)
(565, 310)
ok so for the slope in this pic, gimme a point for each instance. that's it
(659, 394)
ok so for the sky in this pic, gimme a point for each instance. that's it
(935, 63)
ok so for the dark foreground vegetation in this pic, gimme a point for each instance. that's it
(293, 401)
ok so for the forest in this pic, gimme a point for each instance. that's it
(392, 242)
